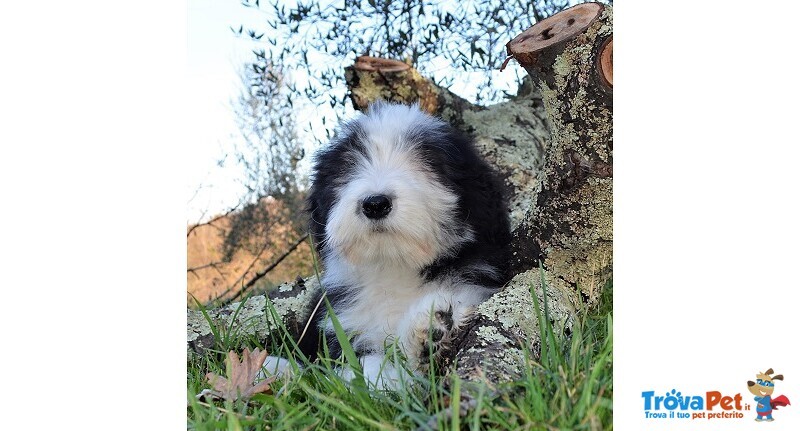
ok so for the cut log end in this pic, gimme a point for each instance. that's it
(369, 64)
(605, 62)
(560, 27)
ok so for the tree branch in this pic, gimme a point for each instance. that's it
(211, 222)
(241, 277)
(208, 265)
(265, 271)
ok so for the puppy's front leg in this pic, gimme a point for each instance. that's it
(379, 373)
(429, 327)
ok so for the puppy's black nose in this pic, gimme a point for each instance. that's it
(376, 207)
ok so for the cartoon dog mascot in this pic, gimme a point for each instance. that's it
(762, 388)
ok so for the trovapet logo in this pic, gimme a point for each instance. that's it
(715, 405)
(711, 405)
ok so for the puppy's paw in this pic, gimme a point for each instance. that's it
(433, 335)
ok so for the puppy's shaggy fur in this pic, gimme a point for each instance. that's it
(413, 232)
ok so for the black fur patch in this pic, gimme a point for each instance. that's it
(481, 205)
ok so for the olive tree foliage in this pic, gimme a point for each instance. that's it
(447, 41)
(268, 154)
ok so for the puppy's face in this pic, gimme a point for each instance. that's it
(378, 196)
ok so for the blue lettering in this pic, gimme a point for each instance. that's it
(672, 401)
(647, 397)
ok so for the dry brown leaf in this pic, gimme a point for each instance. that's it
(242, 376)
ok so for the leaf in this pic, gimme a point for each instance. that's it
(242, 375)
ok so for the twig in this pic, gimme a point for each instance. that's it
(311, 317)
(204, 404)
(214, 265)
(211, 222)
(197, 268)
(260, 275)
(241, 278)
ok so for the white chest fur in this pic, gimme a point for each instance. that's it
(377, 303)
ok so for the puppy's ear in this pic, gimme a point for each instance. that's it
(769, 371)
(778, 377)
(317, 215)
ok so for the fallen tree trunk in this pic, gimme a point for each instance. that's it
(552, 146)
(259, 316)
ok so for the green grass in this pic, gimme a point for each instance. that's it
(569, 388)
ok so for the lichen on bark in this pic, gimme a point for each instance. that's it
(569, 229)
(252, 317)
(512, 137)
(507, 323)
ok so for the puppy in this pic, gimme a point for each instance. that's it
(412, 230)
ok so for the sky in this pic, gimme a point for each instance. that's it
(215, 55)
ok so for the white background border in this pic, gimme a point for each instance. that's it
(706, 204)
(93, 223)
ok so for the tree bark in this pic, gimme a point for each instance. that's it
(552, 145)
(568, 229)
(259, 316)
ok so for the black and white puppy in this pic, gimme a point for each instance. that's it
(412, 229)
